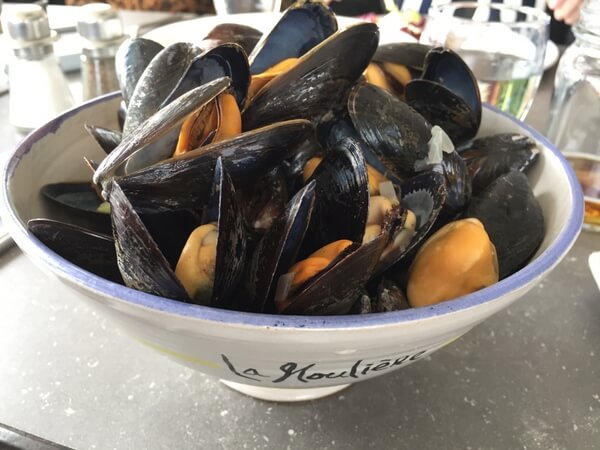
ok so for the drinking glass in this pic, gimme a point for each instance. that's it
(246, 6)
(503, 45)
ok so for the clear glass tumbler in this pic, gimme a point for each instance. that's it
(503, 45)
(574, 125)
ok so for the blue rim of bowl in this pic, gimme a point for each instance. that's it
(543, 263)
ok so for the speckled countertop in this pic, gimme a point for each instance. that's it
(529, 377)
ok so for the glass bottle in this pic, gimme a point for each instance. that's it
(574, 124)
(102, 31)
(38, 88)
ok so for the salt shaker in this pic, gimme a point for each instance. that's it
(574, 124)
(38, 88)
(102, 31)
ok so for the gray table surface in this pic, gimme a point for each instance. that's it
(526, 378)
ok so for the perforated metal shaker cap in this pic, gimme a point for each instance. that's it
(99, 22)
(28, 22)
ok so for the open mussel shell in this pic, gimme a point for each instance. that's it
(157, 83)
(394, 65)
(80, 204)
(278, 249)
(513, 219)
(300, 28)
(445, 67)
(107, 139)
(408, 54)
(425, 195)
(342, 196)
(182, 182)
(242, 35)
(318, 83)
(132, 58)
(335, 289)
(87, 249)
(180, 68)
(226, 60)
(489, 157)
(398, 134)
(157, 126)
(141, 262)
(442, 107)
(80, 196)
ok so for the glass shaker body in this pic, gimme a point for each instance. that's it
(98, 75)
(38, 87)
(38, 91)
(574, 124)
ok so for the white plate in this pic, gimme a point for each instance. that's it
(195, 30)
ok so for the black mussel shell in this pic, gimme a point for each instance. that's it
(513, 219)
(231, 242)
(80, 204)
(335, 289)
(242, 35)
(226, 60)
(184, 182)
(131, 60)
(141, 263)
(334, 131)
(342, 196)
(157, 82)
(396, 132)
(408, 54)
(180, 68)
(425, 195)
(400, 63)
(445, 67)
(293, 167)
(318, 83)
(301, 27)
(442, 107)
(157, 126)
(331, 132)
(87, 249)
(107, 139)
(80, 196)
(263, 202)
(279, 248)
(458, 184)
(489, 157)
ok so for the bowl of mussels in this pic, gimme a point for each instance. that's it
(292, 220)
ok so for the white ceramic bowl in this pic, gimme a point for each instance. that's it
(265, 355)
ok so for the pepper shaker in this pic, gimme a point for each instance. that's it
(102, 31)
(38, 88)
